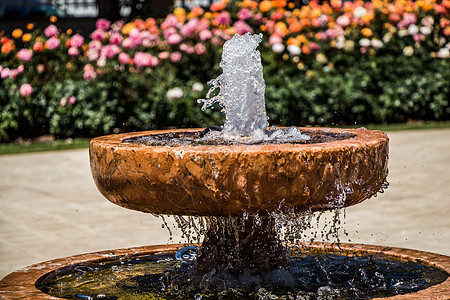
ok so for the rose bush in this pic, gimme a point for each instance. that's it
(331, 63)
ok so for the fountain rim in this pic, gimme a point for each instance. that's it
(362, 136)
(21, 284)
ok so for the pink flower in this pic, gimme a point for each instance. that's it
(189, 28)
(103, 24)
(275, 39)
(98, 35)
(95, 45)
(163, 55)
(40, 69)
(200, 49)
(92, 54)
(76, 41)
(175, 56)
(13, 73)
(5, 73)
(343, 20)
(25, 54)
(124, 58)
(205, 34)
(142, 59)
(244, 14)
(52, 43)
(184, 47)
(20, 69)
(223, 18)
(117, 25)
(51, 30)
(128, 43)
(174, 39)
(170, 21)
(71, 100)
(116, 38)
(168, 32)
(363, 50)
(409, 18)
(73, 51)
(314, 46)
(89, 73)
(109, 50)
(26, 89)
(242, 27)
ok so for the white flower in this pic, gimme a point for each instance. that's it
(447, 46)
(349, 45)
(175, 93)
(294, 49)
(387, 38)
(377, 44)
(197, 87)
(340, 44)
(408, 51)
(364, 42)
(443, 53)
(278, 48)
(413, 29)
(402, 32)
(425, 30)
(101, 62)
(359, 12)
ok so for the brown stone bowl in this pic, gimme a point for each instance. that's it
(22, 283)
(218, 180)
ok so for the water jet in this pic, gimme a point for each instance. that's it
(238, 179)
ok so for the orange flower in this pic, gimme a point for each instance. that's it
(127, 28)
(208, 15)
(306, 49)
(447, 31)
(197, 11)
(295, 26)
(17, 33)
(366, 32)
(53, 19)
(150, 22)
(7, 47)
(218, 5)
(69, 31)
(26, 37)
(265, 6)
(279, 3)
(3, 40)
(249, 4)
(30, 26)
(292, 41)
(315, 13)
(139, 23)
(230, 31)
(326, 9)
(336, 4)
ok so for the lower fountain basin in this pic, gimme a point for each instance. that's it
(228, 180)
(22, 284)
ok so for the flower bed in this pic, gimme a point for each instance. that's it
(335, 63)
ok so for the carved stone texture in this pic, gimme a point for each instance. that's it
(228, 180)
(22, 284)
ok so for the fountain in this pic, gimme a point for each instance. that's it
(242, 186)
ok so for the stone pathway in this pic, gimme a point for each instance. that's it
(50, 207)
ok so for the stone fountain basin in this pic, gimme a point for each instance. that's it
(22, 283)
(228, 180)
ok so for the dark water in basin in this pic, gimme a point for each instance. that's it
(161, 276)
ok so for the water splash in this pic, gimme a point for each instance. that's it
(241, 87)
(241, 95)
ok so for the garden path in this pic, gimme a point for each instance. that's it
(50, 207)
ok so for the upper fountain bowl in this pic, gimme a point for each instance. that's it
(338, 167)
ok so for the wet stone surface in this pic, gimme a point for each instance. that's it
(174, 139)
(325, 276)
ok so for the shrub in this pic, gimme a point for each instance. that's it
(337, 63)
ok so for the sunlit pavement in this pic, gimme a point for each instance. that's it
(50, 207)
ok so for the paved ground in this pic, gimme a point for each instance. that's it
(49, 206)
